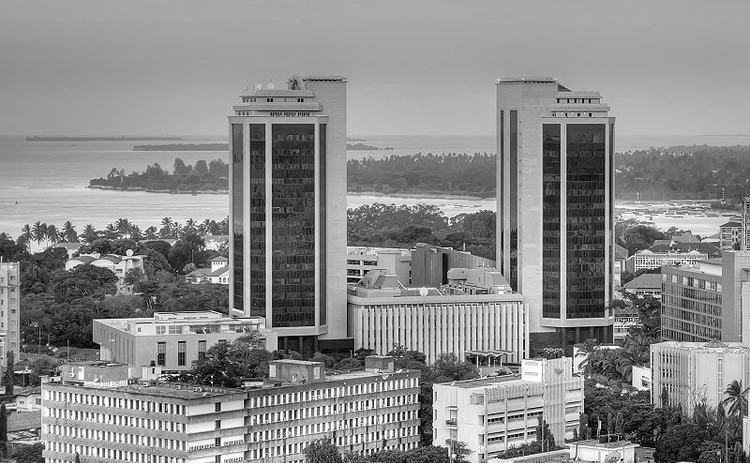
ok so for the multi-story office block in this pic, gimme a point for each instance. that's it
(729, 235)
(707, 300)
(476, 312)
(555, 226)
(646, 259)
(10, 309)
(172, 340)
(695, 372)
(361, 259)
(288, 211)
(359, 412)
(490, 415)
(96, 414)
(99, 415)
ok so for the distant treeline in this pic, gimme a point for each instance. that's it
(184, 147)
(47, 138)
(204, 176)
(684, 172)
(455, 174)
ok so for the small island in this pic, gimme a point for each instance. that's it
(184, 147)
(52, 138)
(364, 147)
(204, 177)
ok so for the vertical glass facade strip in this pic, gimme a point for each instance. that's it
(293, 230)
(611, 217)
(551, 220)
(322, 225)
(257, 198)
(500, 191)
(513, 206)
(238, 198)
(586, 216)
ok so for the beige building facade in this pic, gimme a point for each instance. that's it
(171, 340)
(288, 210)
(476, 311)
(555, 203)
(10, 310)
(493, 414)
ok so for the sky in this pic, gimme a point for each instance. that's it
(424, 67)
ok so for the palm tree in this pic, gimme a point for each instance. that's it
(586, 350)
(39, 230)
(123, 227)
(89, 233)
(150, 233)
(190, 225)
(26, 236)
(110, 232)
(167, 228)
(69, 233)
(52, 235)
(736, 400)
(134, 232)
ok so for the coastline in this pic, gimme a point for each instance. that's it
(146, 190)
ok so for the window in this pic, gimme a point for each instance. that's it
(161, 329)
(217, 424)
(201, 349)
(161, 353)
(217, 407)
(175, 329)
(181, 346)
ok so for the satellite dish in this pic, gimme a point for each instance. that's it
(129, 253)
(423, 291)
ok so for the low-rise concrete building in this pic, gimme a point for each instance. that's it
(171, 340)
(360, 260)
(99, 414)
(218, 273)
(492, 414)
(694, 372)
(645, 284)
(475, 311)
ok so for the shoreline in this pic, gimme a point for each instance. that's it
(146, 190)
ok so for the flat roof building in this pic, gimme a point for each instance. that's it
(171, 340)
(555, 203)
(475, 311)
(99, 414)
(707, 300)
(491, 415)
(362, 259)
(693, 372)
(288, 211)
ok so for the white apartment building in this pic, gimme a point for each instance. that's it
(693, 372)
(646, 259)
(171, 340)
(100, 415)
(492, 414)
(10, 310)
(119, 265)
(475, 311)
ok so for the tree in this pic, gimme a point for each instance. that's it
(681, 442)
(322, 451)
(26, 236)
(228, 364)
(69, 233)
(134, 276)
(29, 453)
(83, 281)
(736, 399)
(3, 431)
(201, 168)
(9, 362)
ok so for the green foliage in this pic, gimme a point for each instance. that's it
(446, 174)
(322, 452)
(8, 376)
(683, 172)
(229, 364)
(204, 176)
(425, 454)
(3, 430)
(83, 281)
(29, 453)
(680, 443)
(403, 226)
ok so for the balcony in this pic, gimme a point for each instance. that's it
(451, 422)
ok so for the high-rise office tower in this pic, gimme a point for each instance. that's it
(288, 211)
(555, 226)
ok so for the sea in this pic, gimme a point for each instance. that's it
(47, 181)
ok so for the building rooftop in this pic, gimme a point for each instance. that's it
(23, 421)
(731, 224)
(705, 346)
(645, 281)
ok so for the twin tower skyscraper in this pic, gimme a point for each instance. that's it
(555, 209)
